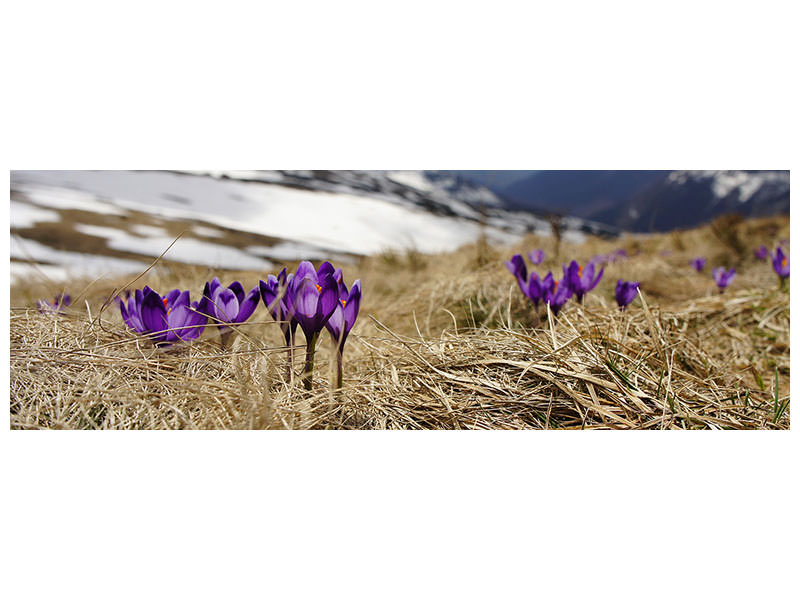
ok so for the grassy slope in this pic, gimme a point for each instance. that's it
(442, 342)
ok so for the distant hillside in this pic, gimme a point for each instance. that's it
(645, 200)
(579, 193)
(688, 198)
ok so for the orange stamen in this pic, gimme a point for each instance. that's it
(319, 288)
(555, 285)
(164, 300)
(783, 262)
(344, 303)
(580, 271)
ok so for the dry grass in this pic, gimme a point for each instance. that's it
(442, 342)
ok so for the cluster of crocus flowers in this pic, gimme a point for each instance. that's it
(780, 264)
(625, 292)
(723, 277)
(577, 280)
(164, 319)
(313, 299)
(532, 287)
(57, 306)
(698, 264)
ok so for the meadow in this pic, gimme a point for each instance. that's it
(442, 341)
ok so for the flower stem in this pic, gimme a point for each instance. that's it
(308, 374)
(224, 336)
(289, 337)
(339, 367)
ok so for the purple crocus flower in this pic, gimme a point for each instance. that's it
(780, 263)
(723, 278)
(625, 293)
(582, 281)
(166, 319)
(56, 306)
(530, 286)
(229, 305)
(555, 293)
(761, 253)
(518, 269)
(273, 294)
(311, 298)
(534, 290)
(536, 256)
(343, 318)
(698, 263)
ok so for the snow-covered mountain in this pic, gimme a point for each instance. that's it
(80, 222)
(642, 200)
(689, 198)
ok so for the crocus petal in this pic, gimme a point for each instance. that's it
(328, 299)
(305, 298)
(269, 295)
(353, 303)
(180, 299)
(237, 289)
(248, 305)
(337, 276)
(135, 311)
(596, 279)
(304, 270)
(517, 267)
(186, 323)
(125, 315)
(226, 304)
(325, 268)
(335, 324)
(214, 285)
(534, 289)
(204, 306)
(171, 296)
(153, 314)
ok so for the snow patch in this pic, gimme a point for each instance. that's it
(185, 250)
(294, 251)
(725, 183)
(64, 264)
(99, 231)
(207, 232)
(24, 215)
(66, 199)
(413, 179)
